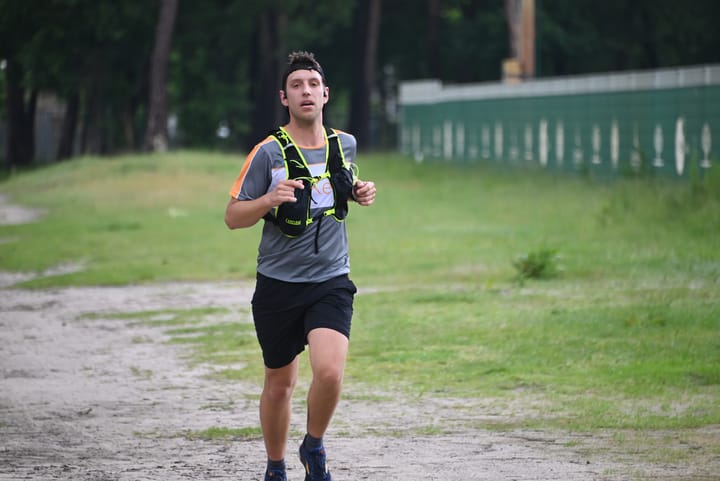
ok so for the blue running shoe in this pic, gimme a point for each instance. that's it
(274, 475)
(314, 463)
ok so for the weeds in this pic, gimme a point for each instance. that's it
(538, 264)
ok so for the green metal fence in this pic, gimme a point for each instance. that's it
(658, 121)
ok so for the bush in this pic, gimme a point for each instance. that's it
(538, 264)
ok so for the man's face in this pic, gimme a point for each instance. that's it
(305, 94)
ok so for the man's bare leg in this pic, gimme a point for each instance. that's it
(275, 408)
(328, 351)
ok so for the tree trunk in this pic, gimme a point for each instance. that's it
(128, 123)
(156, 136)
(20, 148)
(365, 38)
(433, 40)
(69, 126)
(93, 140)
(267, 61)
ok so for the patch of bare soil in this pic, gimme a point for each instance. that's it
(11, 214)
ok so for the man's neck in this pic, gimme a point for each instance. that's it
(310, 134)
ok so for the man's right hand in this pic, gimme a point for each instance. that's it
(284, 191)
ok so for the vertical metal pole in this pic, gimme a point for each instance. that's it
(527, 44)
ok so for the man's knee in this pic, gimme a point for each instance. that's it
(279, 385)
(329, 374)
(279, 392)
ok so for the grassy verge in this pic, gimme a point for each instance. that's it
(623, 332)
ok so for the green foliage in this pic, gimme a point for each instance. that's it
(101, 50)
(587, 36)
(212, 68)
(537, 264)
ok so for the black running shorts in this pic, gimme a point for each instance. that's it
(285, 312)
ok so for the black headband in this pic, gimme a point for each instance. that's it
(301, 66)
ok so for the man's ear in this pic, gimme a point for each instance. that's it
(283, 98)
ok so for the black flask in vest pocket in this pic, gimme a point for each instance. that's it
(342, 184)
(293, 217)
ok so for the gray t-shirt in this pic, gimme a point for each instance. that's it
(295, 259)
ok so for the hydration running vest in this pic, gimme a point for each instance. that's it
(293, 218)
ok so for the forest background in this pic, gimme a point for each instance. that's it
(151, 75)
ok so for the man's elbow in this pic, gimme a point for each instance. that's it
(231, 215)
(230, 223)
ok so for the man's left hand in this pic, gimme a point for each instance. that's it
(364, 192)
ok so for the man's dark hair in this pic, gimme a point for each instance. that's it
(301, 60)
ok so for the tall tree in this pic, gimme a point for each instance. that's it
(88, 53)
(16, 30)
(69, 127)
(366, 30)
(96, 57)
(433, 38)
(156, 135)
(21, 116)
(267, 58)
(290, 25)
(587, 36)
(209, 74)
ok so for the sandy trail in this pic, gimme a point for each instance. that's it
(108, 399)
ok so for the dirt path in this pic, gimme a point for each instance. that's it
(102, 398)
(109, 399)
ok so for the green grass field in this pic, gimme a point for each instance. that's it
(625, 334)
